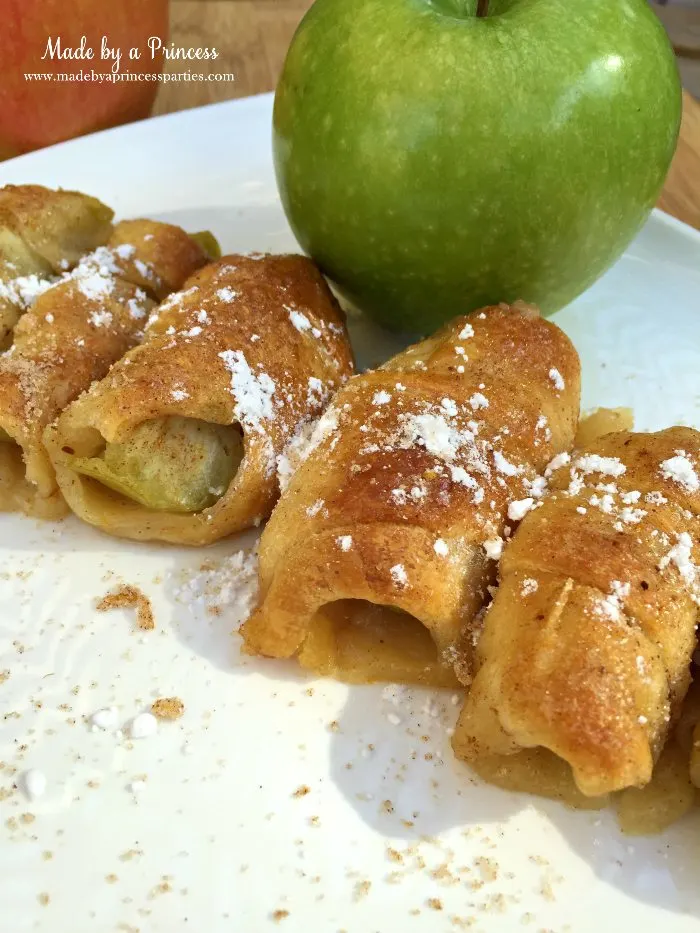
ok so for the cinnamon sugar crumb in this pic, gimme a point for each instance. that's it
(43, 898)
(4, 675)
(168, 708)
(434, 903)
(279, 915)
(361, 890)
(130, 854)
(302, 791)
(125, 597)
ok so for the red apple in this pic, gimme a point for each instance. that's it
(35, 113)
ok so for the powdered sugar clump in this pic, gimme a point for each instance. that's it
(25, 289)
(557, 379)
(307, 437)
(231, 584)
(253, 392)
(681, 470)
(299, 320)
(344, 542)
(494, 548)
(399, 575)
(100, 318)
(125, 250)
(610, 607)
(434, 433)
(680, 556)
(592, 463)
(519, 509)
(505, 466)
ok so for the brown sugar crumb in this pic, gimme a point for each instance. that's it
(302, 791)
(168, 708)
(27, 818)
(279, 915)
(487, 868)
(126, 596)
(43, 898)
(434, 903)
(4, 675)
(547, 891)
(163, 888)
(361, 890)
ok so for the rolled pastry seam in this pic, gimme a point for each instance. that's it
(71, 336)
(249, 352)
(586, 648)
(687, 732)
(42, 234)
(403, 496)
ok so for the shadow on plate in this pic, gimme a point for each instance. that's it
(391, 759)
(406, 783)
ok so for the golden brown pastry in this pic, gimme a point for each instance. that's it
(71, 335)
(179, 443)
(42, 233)
(587, 645)
(377, 558)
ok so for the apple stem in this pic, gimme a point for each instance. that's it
(482, 8)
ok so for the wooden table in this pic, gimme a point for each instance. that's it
(252, 37)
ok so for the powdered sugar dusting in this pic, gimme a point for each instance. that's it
(253, 392)
(399, 575)
(681, 470)
(557, 379)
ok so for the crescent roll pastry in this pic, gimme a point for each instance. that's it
(377, 558)
(42, 233)
(70, 336)
(587, 645)
(179, 443)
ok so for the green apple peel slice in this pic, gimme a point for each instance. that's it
(171, 464)
(208, 242)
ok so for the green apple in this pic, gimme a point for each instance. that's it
(433, 161)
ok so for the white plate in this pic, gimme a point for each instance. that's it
(223, 841)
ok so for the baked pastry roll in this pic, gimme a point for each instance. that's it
(179, 443)
(586, 647)
(70, 336)
(42, 233)
(377, 559)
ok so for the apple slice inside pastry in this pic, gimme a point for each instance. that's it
(170, 464)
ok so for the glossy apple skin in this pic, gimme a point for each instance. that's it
(434, 163)
(39, 113)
